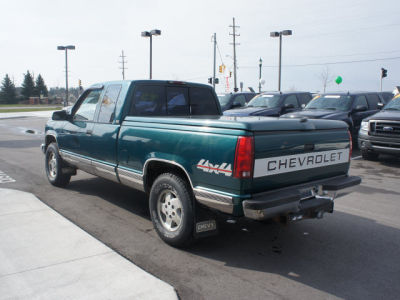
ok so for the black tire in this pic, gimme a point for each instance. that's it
(53, 165)
(368, 155)
(171, 202)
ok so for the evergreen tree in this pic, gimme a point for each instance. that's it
(8, 92)
(40, 87)
(28, 87)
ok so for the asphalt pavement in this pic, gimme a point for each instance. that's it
(352, 253)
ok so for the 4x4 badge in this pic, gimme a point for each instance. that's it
(223, 168)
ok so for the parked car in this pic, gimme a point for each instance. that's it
(272, 104)
(348, 107)
(230, 100)
(169, 140)
(380, 133)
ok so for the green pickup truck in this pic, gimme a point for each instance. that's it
(170, 140)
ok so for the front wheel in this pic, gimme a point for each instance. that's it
(53, 165)
(171, 209)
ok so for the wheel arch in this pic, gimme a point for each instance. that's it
(155, 166)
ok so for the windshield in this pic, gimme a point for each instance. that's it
(269, 101)
(394, 104)
(224, 99)
(330, 102)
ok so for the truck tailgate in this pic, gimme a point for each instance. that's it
(285, 158)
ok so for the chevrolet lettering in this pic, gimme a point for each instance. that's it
(170, 140)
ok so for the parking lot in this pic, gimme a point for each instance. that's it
(352, 253)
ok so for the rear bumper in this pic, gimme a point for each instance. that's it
(378, 144)
(308, 200)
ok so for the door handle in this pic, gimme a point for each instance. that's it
(89, 132)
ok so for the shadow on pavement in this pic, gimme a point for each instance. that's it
(343, 254)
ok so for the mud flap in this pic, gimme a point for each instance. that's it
(205, 222)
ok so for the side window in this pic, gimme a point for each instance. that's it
(108, 103)
(148, 100)
(291, 99)
(304, 98)
(373, 101)
(240, 99)
(202, 102)
(87, 108)
(361, 100)
(177, 101)
(249, 97)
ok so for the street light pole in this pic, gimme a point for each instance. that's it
(150, 34)
(279, 34)
(65, 48)
(259, 77)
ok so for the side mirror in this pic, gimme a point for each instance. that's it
(360, 108)
(60, 115)
(303, 106)
(380, 105)
(288, 106)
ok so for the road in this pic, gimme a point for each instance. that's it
(352, 253)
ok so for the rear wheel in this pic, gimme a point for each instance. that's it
(171, 209)
(53, 165)
(368, 155)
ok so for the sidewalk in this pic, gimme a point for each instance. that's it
(45, 256)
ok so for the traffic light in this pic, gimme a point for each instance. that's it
(230, 73)
(216, 80)
(220, 69)
(210, 80)
(383, 73)
(80, 83)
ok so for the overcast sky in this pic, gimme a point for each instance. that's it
(323, 32)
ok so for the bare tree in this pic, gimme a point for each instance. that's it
(326, 77)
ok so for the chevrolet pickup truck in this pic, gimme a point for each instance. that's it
(170, 140)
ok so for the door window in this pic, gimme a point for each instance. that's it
(373, 101)
(304, 98)
(291, 99)
(361, 101)
(240, 99)
(87, 108)
(108, 103)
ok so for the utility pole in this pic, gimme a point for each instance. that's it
(235, 89)
(215, 53)
(123, 62)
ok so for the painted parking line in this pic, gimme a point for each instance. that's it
(4, 178)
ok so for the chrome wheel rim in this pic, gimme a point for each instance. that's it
(52, 165)
(170, 211)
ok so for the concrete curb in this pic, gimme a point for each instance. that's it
(43, 255)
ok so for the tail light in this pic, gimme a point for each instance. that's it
(351, 145)
(244, 157)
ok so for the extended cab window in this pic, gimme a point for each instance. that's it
(87, 107)
(177, 101)
(202, 102)
(108, 103)
(148, 100)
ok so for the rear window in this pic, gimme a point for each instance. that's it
(160, 100)
(202, 102)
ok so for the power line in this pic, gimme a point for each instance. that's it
(329, 63)
(219, 52)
